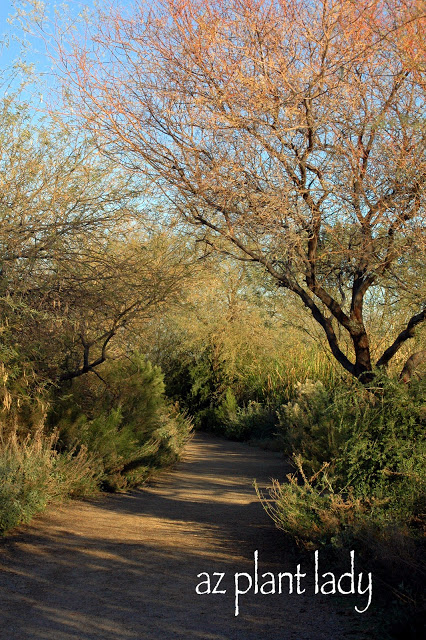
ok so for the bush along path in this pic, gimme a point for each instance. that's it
(128, 567)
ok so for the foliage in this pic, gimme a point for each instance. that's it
(231, 353)
(304, 424)
(76, 274)
(23, 395)
(300, 149)
(124, 421)
(310, 510)
(385, 447)
(360, 481)
(111, 437)
(76, 271)
(373, 437)
(33, 474)
(365, 486)
(254, 420)
(371, 497)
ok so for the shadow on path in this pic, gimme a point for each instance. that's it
(125, 567)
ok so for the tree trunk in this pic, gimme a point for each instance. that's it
(363, 368)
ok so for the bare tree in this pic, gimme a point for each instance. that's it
(289, 133)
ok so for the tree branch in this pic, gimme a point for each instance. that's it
(407, 333)
(411, 365)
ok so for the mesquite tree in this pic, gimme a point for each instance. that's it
(290, 133)
(76, 271)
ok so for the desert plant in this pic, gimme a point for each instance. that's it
(124, 420)
(306, 426)
(33, 474)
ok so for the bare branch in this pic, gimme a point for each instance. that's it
(406, 334)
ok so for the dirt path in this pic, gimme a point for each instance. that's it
(125, 567)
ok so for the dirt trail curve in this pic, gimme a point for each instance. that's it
(125, 567)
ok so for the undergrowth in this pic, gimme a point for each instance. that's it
(33, 474)
(360, 477)
(100, 434)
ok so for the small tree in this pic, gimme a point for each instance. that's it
(289, 133)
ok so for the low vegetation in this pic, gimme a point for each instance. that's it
(359, 481)
(97, 435)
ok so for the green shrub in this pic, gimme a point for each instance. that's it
(254, 420)
(384, 446)
(371, 438)
(235, 388)
(109, 436)
(361, 477)
(307, 426)
(312, 512)
(385, 531)
(125, 422)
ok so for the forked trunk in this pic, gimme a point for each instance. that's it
(362, 368)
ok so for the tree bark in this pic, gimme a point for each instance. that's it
(411, 365)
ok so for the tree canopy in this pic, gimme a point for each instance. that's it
(287, 133)
(76, 271)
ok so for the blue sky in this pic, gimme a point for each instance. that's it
(35, 53)
(6, 10)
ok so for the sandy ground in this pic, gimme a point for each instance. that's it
(125, 567)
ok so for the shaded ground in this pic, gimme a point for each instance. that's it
(125, 567)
